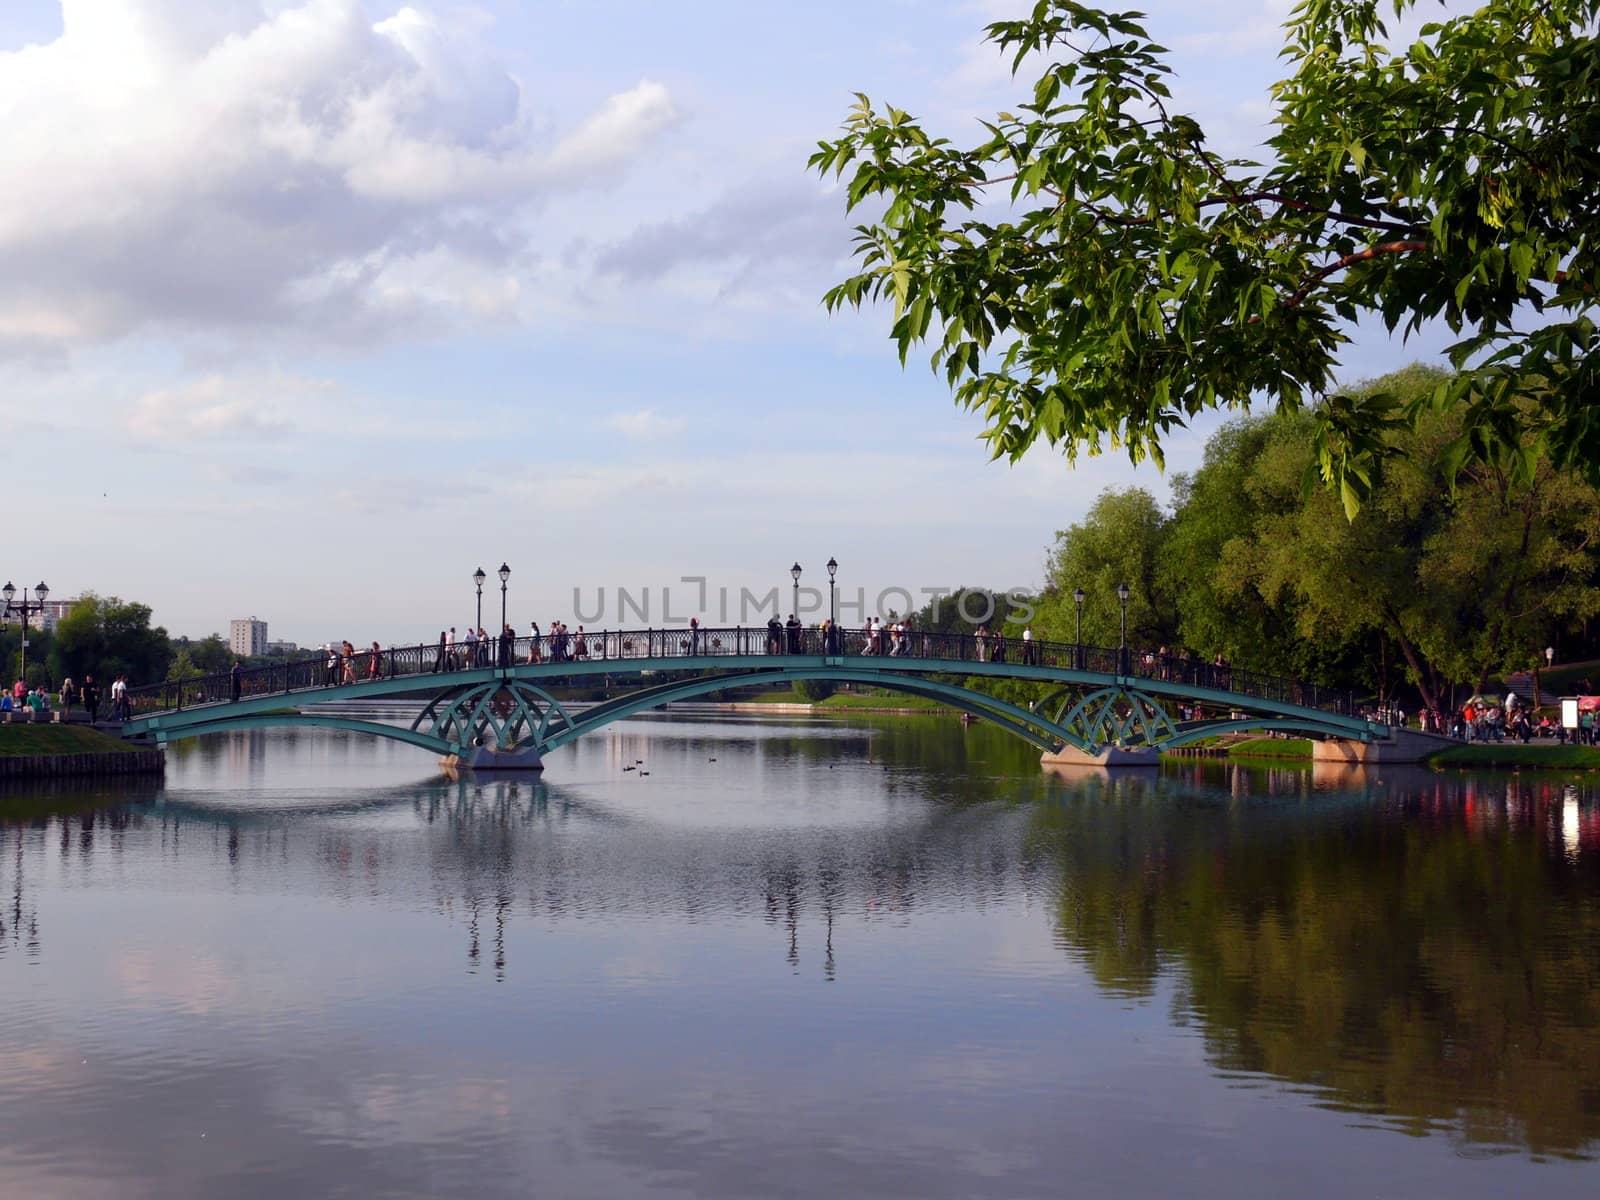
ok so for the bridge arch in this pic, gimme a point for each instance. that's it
(1029, 726)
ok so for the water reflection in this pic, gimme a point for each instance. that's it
(1425, 950)
(1407, 950)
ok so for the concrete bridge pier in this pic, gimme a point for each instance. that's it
(1110, 756)
(490, 758)
(1401, 746)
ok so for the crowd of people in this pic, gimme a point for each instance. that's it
(1483, 719)
(36, 701)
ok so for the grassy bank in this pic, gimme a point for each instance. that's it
(1259, 749)
(1514, 754)
(18, 741)
(888, 700)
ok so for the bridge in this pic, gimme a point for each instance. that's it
(490, 705)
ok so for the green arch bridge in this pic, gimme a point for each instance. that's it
(490, 705)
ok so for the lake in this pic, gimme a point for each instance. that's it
(795, 958)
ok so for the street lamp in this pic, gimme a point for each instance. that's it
(833, 607)
(22, 610)
(1077, 629)
(794, 573)
(478, 577)
(1122, 658)
(505, 646)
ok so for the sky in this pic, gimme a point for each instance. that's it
(312, 307)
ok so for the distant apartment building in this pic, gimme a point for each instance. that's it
(53, 613)
(282, 649)
(247, 638)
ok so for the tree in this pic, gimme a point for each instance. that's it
(1208, 556)
(106, 636)
(814, 691)
(1130, 278)
(211, 654)
(1428, 583)
(183, 666)
(1461, 585)
(39, 646)
(964, 610)
(1122, 540)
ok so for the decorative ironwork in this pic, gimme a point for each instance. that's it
(501, 715)
(1117, 717)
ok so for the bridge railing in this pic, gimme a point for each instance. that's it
(292, 678)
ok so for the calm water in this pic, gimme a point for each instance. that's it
(860, 959)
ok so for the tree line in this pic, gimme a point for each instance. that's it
(1454, 571)
(106, 636)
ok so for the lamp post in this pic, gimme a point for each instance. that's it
(22, 610)
(478, 577)
(1077, 630)
(506, 651)
(833, 593)
(794, 573)
(1122, 657)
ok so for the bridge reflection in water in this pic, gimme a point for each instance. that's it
(496, 701)
(1422, 950)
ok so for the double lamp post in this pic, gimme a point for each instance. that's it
(22, 610)
(1124, 660)
(833, 592)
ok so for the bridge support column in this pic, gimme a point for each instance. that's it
(1401, 746)
(1111, 756)
(486, 758)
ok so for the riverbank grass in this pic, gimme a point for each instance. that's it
(1515, 754)
(21, 741)
(1264, 748)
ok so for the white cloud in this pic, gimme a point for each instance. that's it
(238, 165)
(645, 423)
(212, 407)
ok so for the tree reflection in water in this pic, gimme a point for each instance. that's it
(1425, 949)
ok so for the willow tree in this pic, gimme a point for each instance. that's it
(1092, 273)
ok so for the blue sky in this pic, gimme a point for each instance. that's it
(316, 305)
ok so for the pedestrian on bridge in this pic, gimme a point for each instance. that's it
(235, 679)
(506, 639)
(533, 642)
(438, 659)
(774, 635)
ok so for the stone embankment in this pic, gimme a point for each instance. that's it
(61, 766)
(56, 750)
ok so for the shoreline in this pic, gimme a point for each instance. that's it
(35, 751)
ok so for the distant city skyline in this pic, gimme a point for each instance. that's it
(317, 307)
